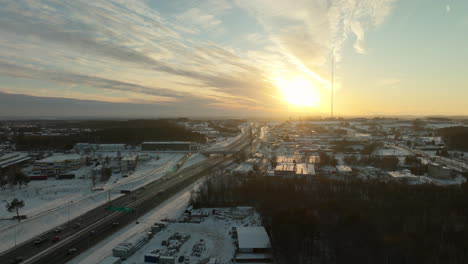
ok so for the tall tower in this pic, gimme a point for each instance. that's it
(332, 62)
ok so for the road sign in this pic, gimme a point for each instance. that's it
(121, 209)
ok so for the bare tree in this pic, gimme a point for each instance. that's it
(14, 205)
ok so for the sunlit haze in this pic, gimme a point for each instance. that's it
(233, 58)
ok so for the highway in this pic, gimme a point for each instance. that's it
(100, 223)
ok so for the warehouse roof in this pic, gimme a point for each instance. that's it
(61, 158)
(253, 237)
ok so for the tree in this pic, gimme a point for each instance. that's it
(418, 124)
(14, 205)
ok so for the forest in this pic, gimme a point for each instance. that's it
(326, 221)
(455, 137)
(130, 132)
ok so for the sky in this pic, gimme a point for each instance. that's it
(243, 58)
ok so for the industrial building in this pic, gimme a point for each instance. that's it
(440, 172)
(13, 159)
(169, 146)
(253, 245)
(56, 165)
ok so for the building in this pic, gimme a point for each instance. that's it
(305, 170)
(286, 170)
(13, 159)
(169, 146)
(440, 172)
(253, 245)
(344, 170)
(129, 163)
(57, 164)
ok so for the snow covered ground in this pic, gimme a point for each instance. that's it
(171, 208)
(53, 202)
(193, 160)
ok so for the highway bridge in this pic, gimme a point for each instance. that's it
(100, 223)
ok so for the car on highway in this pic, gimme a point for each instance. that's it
(39, 240)
(16, 260)
(76, 225)
(58, 229)
(92, 233)
(71, 251)
(56, 239)
(115, 224)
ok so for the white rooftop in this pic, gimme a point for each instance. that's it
(253, 237)
(305, 169)
(60, 158)
(342, 168)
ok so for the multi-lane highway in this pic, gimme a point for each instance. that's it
(95, 225)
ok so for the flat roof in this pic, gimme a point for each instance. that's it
(253, 237)
(342, 168)
(60, 158)
(12, 159)
(167, 142)
(285, 167)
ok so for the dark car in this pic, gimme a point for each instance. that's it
(39, 241)
(56, 239)
(71, 251)
(115, 224)
(77, 225)
(16, 260)
(92, 233)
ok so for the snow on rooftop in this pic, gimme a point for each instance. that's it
(61, 158)
(342, 168)
(305, 169)
(253, 237)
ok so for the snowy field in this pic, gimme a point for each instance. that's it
(54, 202)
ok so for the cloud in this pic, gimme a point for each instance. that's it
(129, 47)
(196, 18)
(322, 26)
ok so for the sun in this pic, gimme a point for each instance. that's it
(299, 92)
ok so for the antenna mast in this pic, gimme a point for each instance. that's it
(332, 62)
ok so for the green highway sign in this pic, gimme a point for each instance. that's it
(121, 209)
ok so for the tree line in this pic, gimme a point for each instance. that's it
(129, 132)
(326, 221)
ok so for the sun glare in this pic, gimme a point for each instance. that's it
(299, 92)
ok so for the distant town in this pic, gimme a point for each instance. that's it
(64, 176)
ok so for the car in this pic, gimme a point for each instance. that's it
(92, 233)
(16, 260)
(71, 251)
(39, 240)
(56, 239)
(58, 229)
(115, 224)
(76, 225)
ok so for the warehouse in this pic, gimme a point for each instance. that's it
(169, 146)
(57, 164)
(253, 245)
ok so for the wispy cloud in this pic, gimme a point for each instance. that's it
(130, 47)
